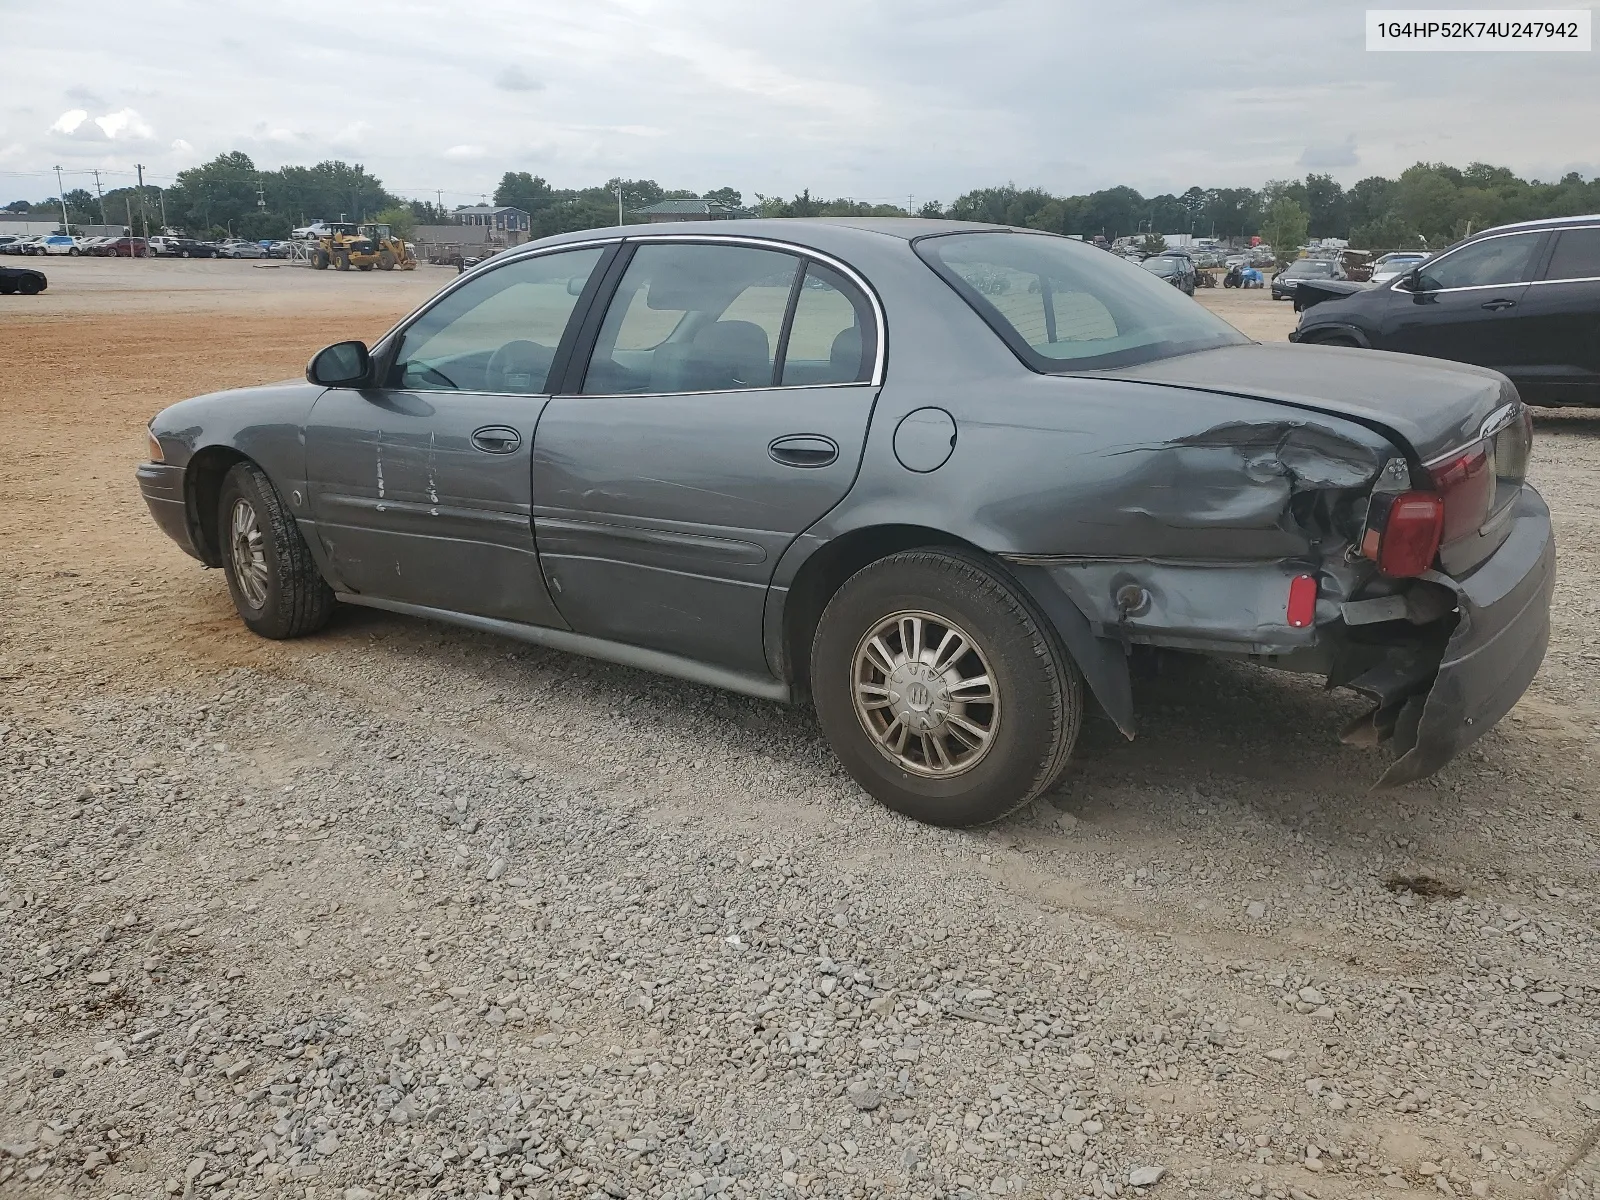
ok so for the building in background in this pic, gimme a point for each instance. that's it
(687, 210)
(509, 226)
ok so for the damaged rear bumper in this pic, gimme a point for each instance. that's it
(1493, 653)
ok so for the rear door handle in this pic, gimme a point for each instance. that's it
(496, 439)
(1498, 304)
(804, 450)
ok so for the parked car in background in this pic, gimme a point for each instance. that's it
(93, 245)
(237, 248)
(22, 281)
(277, 249)
(7, 240)
(1176, 268)
(1523, 299)
(58, 243)
(163, 244)
(23, 244)
(1390, 267)
(1286, 280)
(128, 247)
(791, 513)
(190, 248)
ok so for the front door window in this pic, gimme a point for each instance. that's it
(498, 332)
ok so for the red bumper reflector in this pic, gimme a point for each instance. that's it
(1302, 601)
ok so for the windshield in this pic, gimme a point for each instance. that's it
(1310, 267)
(1161, 266)
(1064, 306)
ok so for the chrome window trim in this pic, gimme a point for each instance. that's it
(782, 387)
(1471, 287)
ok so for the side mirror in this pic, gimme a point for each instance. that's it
(1414, 280)
(343, 364)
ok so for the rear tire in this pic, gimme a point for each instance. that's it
(30, 287)
(319, 260)
(276, 587)
(341, 261)
(983, 759)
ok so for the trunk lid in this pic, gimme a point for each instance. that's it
(1430, 405)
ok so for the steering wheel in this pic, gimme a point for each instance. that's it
(519, 367)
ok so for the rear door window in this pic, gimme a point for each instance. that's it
(1576, 255)
(690, 317)
(832, 336)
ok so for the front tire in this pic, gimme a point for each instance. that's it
(942, 690)
(276, 587)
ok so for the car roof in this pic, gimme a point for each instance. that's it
(1543, 223)
(819, 233)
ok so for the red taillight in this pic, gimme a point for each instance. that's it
(1302, 601)
(1466, 483)
(1410, 536)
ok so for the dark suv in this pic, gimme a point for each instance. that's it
(1523, 299)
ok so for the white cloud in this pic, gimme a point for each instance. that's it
(179, 146)
(466, 153)
(124, 123)
(69, 121)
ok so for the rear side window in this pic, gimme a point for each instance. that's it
(1063, 306)
(1489, 263)
(832, 336)
(1576, 256)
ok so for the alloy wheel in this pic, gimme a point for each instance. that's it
(249, 557)
(925, 694)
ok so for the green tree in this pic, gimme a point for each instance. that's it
(1285, 227)
(726, 196)
(518, 189)
(1325, 207)
(1153, 243)
(402, 222)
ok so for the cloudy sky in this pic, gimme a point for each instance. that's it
(874, 99)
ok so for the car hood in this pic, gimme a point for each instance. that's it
(1427, 404)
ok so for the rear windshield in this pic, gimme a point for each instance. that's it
(1309, 268)
(1064, 306)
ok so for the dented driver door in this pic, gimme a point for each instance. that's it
(422, 489)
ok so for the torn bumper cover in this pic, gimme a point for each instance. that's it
(1493, 653)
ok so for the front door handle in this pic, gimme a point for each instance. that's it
(1497, 304)
(496, 439)
(804, 450)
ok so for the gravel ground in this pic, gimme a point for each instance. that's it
(403, 910)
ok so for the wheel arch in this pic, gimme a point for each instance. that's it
(820, 575)
(1335, 334)
(202, 485)
(793, 613)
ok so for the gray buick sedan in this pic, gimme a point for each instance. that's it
(943, 480)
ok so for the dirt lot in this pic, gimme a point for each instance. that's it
(403, 910)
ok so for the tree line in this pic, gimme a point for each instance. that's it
(1429, 204)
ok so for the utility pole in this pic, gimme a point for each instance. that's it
(127, 200)
(102, 196)
(619, 204)
(909, 198)
(163, 194)
(144, 215)
(61, 194)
